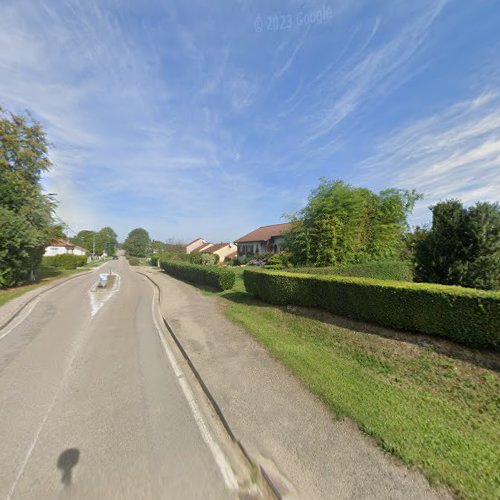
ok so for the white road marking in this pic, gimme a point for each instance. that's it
(76, 348)
(28, 311)
(98, 299)
(220, 458)
(20, 318)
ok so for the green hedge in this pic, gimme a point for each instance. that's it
(66, 261)
(465, 315)
(205, 275)
(395, 270)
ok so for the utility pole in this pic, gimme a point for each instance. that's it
(93, 244)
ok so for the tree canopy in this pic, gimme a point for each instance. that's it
(462, 247)
(137, 243)
(342, 224)
(27, 222)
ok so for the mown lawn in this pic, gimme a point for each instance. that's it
(436, 412)
(45, 275)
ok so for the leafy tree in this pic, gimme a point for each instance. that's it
(342, 224)
(462, 247)
(157, 246)
(137, 243)
(85, 239)
(106, 241)
(23, 160)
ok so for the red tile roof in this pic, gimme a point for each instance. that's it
(194, 241)
(215, 247)
(265, 233)
(61, 243)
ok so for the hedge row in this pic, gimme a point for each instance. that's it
(395, 270)
(66, 261)
(204, 275)
(464, 315)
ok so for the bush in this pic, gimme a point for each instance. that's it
(469, 316)
(217, 277)
(461, 248)
(396, 270)
(134, 261)
(65, 261)
(206, 259)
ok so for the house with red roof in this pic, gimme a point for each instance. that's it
(196, 245)
(265, 239)
(60, 247)
(225, 251)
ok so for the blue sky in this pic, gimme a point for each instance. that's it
(209, 119)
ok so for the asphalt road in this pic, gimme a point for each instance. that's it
(93, 405)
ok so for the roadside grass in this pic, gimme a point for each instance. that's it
(436, 412)
(44, 275)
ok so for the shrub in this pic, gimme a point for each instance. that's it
(66, 261)
(469, 316)
(134, 261)
(396, 270)
(207, 259)
(462, 247)
(217, 277)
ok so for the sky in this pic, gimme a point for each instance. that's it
(209, 119)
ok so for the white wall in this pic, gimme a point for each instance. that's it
(51, 251)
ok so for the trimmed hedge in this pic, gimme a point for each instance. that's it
(394, 270)
(66, 261)
(468, 316)
(202, 274)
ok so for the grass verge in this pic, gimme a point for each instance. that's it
(45, 275)
(436, 412)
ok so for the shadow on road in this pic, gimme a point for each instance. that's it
(66, 461)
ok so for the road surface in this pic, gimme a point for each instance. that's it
(91, 405)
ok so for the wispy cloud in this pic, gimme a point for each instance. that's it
(454, 153)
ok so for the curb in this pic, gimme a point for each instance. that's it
(273, 486)
(20, 309)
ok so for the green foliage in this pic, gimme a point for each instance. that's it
(134, 261)
(281, 260)
(395, 270)
(20, 248)
(105, 240)
(205, 259)
(342, 224)
(461, 248)
(27, 223)
(137, 243)
(217, 277)
(471, 317)
(65, 261)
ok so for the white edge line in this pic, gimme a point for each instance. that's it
(220, 458)
(20, 319)
(35, 302)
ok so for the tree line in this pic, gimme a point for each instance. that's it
(27, 221)
(342, 225)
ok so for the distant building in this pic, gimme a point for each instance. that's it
(265, 239)
(225, 251)
(61, 247)
(196, 244)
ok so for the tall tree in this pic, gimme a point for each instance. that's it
(106, 241)
(86, 239)
(342, 224)
(23, 160)
(137, 243)
(462, 247)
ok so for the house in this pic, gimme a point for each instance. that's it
(225, 251)
(265, 239)
(60, 247)
(196, 244)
